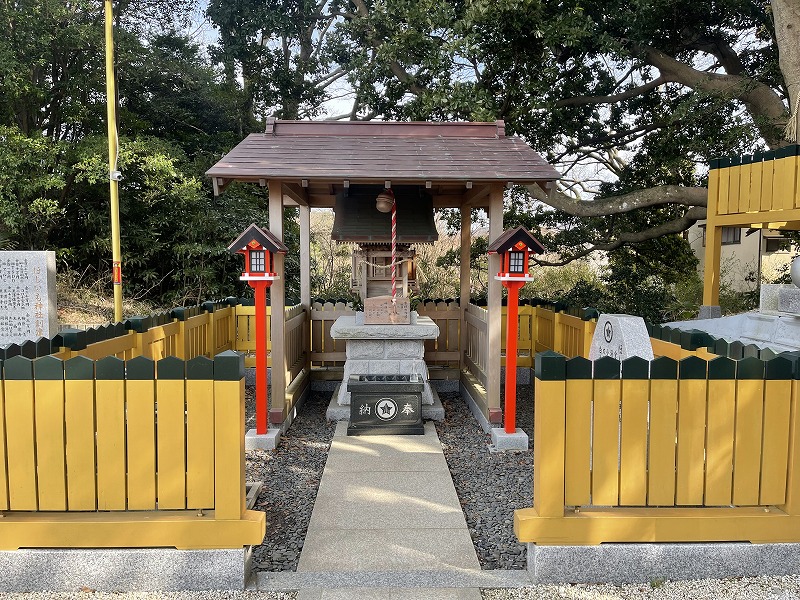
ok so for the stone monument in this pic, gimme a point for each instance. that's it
(27, 296)
(384, 349)
(620, 337)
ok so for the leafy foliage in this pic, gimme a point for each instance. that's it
(623, 97)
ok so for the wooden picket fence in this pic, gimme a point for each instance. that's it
(124, 453)
(759, 184)
(667, 451)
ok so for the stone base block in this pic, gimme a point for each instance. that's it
(341, 412)
(123, 570)
(266, 441)
(444, 385)
(789, 299)
(710, 312)
(475, 409)
(768, 297)
(646, 563)
(502, 441)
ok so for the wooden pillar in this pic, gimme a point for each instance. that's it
(494, 307)
(305, 256)
(305, 277)
(717, 195)
(278, 304)
(464, 285)
(712, 266)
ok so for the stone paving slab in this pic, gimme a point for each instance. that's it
(380, 500)
(450, 578)
(395, 511)
(404, 549)
(391, 594)
(385, 453)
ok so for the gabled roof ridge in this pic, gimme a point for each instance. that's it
(263, 236)
(420, 129)
(512, 236)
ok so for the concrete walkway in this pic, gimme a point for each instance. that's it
(387, 512)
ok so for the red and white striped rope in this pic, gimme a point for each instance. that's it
(394, 251)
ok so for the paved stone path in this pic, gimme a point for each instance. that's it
(387, 512)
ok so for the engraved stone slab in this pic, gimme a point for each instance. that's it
(27, 296)
(620, 337)
(380, 310)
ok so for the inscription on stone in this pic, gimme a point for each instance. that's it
(385, 404)
(27, 296)
(380, 310)
(620, 337)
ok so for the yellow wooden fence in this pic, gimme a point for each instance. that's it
(760, 184)
(670, 451)
(115, 453)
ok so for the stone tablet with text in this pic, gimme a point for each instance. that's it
(27, 296)
(620, 337)
(380, 310)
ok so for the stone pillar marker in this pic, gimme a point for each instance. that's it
(27, 296)
(621, 337)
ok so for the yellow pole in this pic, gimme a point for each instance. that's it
(113, 174)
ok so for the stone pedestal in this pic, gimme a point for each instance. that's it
(709, 312)
(384, 350)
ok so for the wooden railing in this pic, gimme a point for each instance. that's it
(295, 343)
(327, 352)
(672, 452)
(114, 453)
(475, 353)
(758, 183)
(444, 351)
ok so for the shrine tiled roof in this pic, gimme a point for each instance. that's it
(378, 150)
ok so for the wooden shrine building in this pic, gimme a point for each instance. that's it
(312, 164)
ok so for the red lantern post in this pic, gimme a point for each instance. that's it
(258, 246)
(514, 247)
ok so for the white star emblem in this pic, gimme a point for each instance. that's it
(386, 409)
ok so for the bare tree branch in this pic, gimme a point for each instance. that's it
(635, 237)
(763, 103)
(656, 196)
(719, 48)
(631, 93)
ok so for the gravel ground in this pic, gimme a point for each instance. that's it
(291, 476)
(490, 485)
(751, 588)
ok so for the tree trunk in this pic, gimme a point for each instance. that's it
(786, 14)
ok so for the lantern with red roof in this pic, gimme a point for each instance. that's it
(515, 247)
(258, 247)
